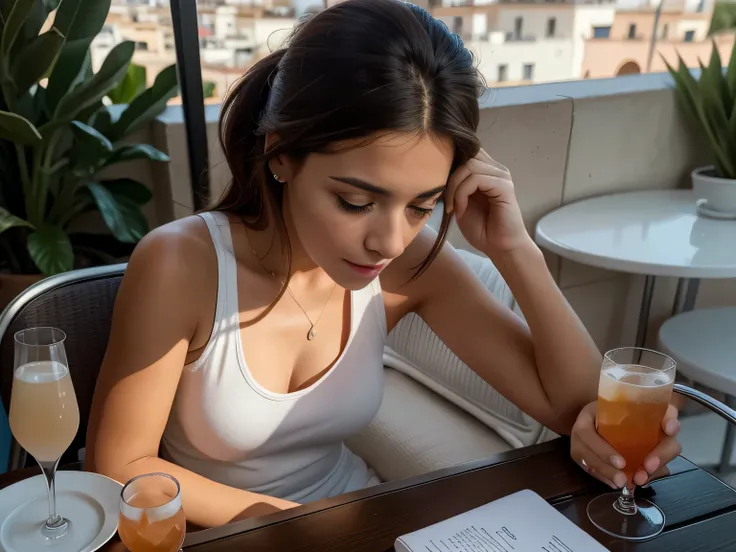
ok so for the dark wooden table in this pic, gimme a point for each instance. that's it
(700, 509)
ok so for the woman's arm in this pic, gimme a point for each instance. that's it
(549, 370)
(170, 280)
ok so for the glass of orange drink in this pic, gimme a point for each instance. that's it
(634, 392)
(151, 514)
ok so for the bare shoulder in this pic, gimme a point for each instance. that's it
(174, 261)
(181, 249)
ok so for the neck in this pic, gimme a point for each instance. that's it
(270, 246)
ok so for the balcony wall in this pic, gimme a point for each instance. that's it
(563, 142)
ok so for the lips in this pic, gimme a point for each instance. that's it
(366, 270)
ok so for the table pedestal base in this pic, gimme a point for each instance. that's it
(687, 292)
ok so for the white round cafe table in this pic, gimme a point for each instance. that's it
(654, 233)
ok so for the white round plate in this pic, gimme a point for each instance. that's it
(89, 500)
(703, 209)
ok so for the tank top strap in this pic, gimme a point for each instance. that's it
(226, 311)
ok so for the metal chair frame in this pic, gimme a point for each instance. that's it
(37, 290)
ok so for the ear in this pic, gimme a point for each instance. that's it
(281, 166)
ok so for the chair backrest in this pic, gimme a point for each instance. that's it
(80, 303)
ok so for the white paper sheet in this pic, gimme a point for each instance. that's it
(521, 522)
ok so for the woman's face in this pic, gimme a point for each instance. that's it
(354, 211)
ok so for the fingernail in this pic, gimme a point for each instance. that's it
(613, 485)
(672, 427)
(617, 462)
(651, 465)
(620, 480)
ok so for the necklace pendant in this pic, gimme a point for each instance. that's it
(311, 334)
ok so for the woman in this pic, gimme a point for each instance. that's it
(247, 342)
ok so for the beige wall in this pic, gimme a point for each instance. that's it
(562, 142)
(678, 23)
(604, 58)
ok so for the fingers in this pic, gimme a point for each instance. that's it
(602, 460)
(482, 155)
(642, 478)
(473, 167)
(596, 467)
(670, 423)
(666, 451)
(655, 464)
(584, 430)
(469, 186)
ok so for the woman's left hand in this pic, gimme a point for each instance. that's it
(481, 194)
(599, 459)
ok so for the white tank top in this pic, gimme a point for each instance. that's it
(225, 426)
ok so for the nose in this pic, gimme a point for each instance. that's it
(386, 237)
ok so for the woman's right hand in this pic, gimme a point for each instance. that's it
(593, 453)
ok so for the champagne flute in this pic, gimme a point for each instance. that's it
(151, 514)
(634, 392)
(44, 415)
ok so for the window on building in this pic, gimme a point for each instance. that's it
(503, 71)
(528, 71)
(457, 25)
(701, 6)
(142, 46)
(518, 27)
(665, 31)
(551, 26)
(632, 30)
(601, 32)
(689, 36)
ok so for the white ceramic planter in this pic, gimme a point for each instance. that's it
(720, 193)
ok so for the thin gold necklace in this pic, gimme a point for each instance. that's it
(312, 333)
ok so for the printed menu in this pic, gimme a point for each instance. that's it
(521, 522)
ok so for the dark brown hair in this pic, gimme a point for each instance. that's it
(359, 68)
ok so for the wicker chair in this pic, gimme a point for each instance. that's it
(80, 303)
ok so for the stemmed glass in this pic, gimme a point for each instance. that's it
(151, 514)
(44, 415)
(634, 392)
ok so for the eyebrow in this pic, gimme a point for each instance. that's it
(372, 188)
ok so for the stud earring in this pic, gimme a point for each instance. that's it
(276, 177)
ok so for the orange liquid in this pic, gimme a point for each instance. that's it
(632, 428)
(152, 535)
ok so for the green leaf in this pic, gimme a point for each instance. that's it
(12, 28)
(79, 21)
(138, 151)
(90, 137)
(123, 218)
(35, 21)
(132, 190)
(703, 106)
(34, 61)
(94, 89)
(9, 221)
(102, 120)
(132, 84)
(17, 129)
(731, 71)
(51, 250)
(148, 104)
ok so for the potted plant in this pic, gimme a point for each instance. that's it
(710, 105)
(57, 135)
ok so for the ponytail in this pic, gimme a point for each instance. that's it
(243, 142)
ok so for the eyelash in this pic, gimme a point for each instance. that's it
(419, 212)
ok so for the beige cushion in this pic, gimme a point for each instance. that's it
(416, 351)
(416, 431)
